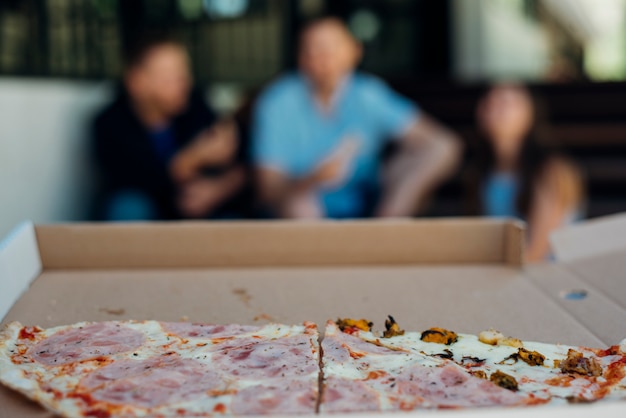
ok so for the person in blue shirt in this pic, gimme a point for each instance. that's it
(318, 133)
(159, 149)
(514, 174)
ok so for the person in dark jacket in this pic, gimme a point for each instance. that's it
(160, 150)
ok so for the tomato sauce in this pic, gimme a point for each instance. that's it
(28, 333)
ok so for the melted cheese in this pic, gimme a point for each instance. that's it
(531, 379)
(401, 379)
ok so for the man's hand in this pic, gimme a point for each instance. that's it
(337, 167)
(429, 154)
(214, 146)
(297, 198)
(201, 196)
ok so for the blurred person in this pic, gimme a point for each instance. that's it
(514, 175)
(161, 152)
(318, 135)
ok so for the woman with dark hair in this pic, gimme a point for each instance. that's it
(515, 175)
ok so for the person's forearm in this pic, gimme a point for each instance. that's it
(537, 249)
(306, 184)
(184, 166)
(278, 192)
(546, 215)
(213, 147)
(430, 163)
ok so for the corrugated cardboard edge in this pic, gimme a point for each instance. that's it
(590, 238)
(514, 242)
(20, 264)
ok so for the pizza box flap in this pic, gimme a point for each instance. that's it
(280, 243)
(591, 238)
(19, 264)
(598, 312)
(595, 252)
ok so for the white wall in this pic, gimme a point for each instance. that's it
(45, 173)
(491, 40)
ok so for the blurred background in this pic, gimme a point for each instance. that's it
(59, 60)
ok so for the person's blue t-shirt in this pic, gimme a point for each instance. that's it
(499, 195)
(293, 135)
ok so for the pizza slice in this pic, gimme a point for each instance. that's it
(149, 368)
(439, 368)
(362, 374)
(550, 373)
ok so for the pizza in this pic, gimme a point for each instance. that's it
(438, 368)
(159, 369)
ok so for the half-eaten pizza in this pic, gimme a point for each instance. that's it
(160, 369)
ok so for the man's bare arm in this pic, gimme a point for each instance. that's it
(201, 196)
(279, 193)
(296, 197)
(555, 200)
(429, 153)
(215, 146)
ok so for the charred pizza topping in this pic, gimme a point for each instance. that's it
(579, 364)
(532, 358)
(350, 325)
(439, 335)
(514, 357)
(504, 380)
(392, 328)
(479, 373)
(472, 361)
(447, 354)
(378, 343)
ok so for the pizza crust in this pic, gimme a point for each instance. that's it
(17, 380)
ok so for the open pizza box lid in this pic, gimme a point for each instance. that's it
(462, 274)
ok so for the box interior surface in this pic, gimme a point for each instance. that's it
(465, 275)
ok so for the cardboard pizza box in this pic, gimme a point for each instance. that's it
(462, 274)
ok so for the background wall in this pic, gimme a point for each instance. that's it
(44, 162)
(493, 40)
